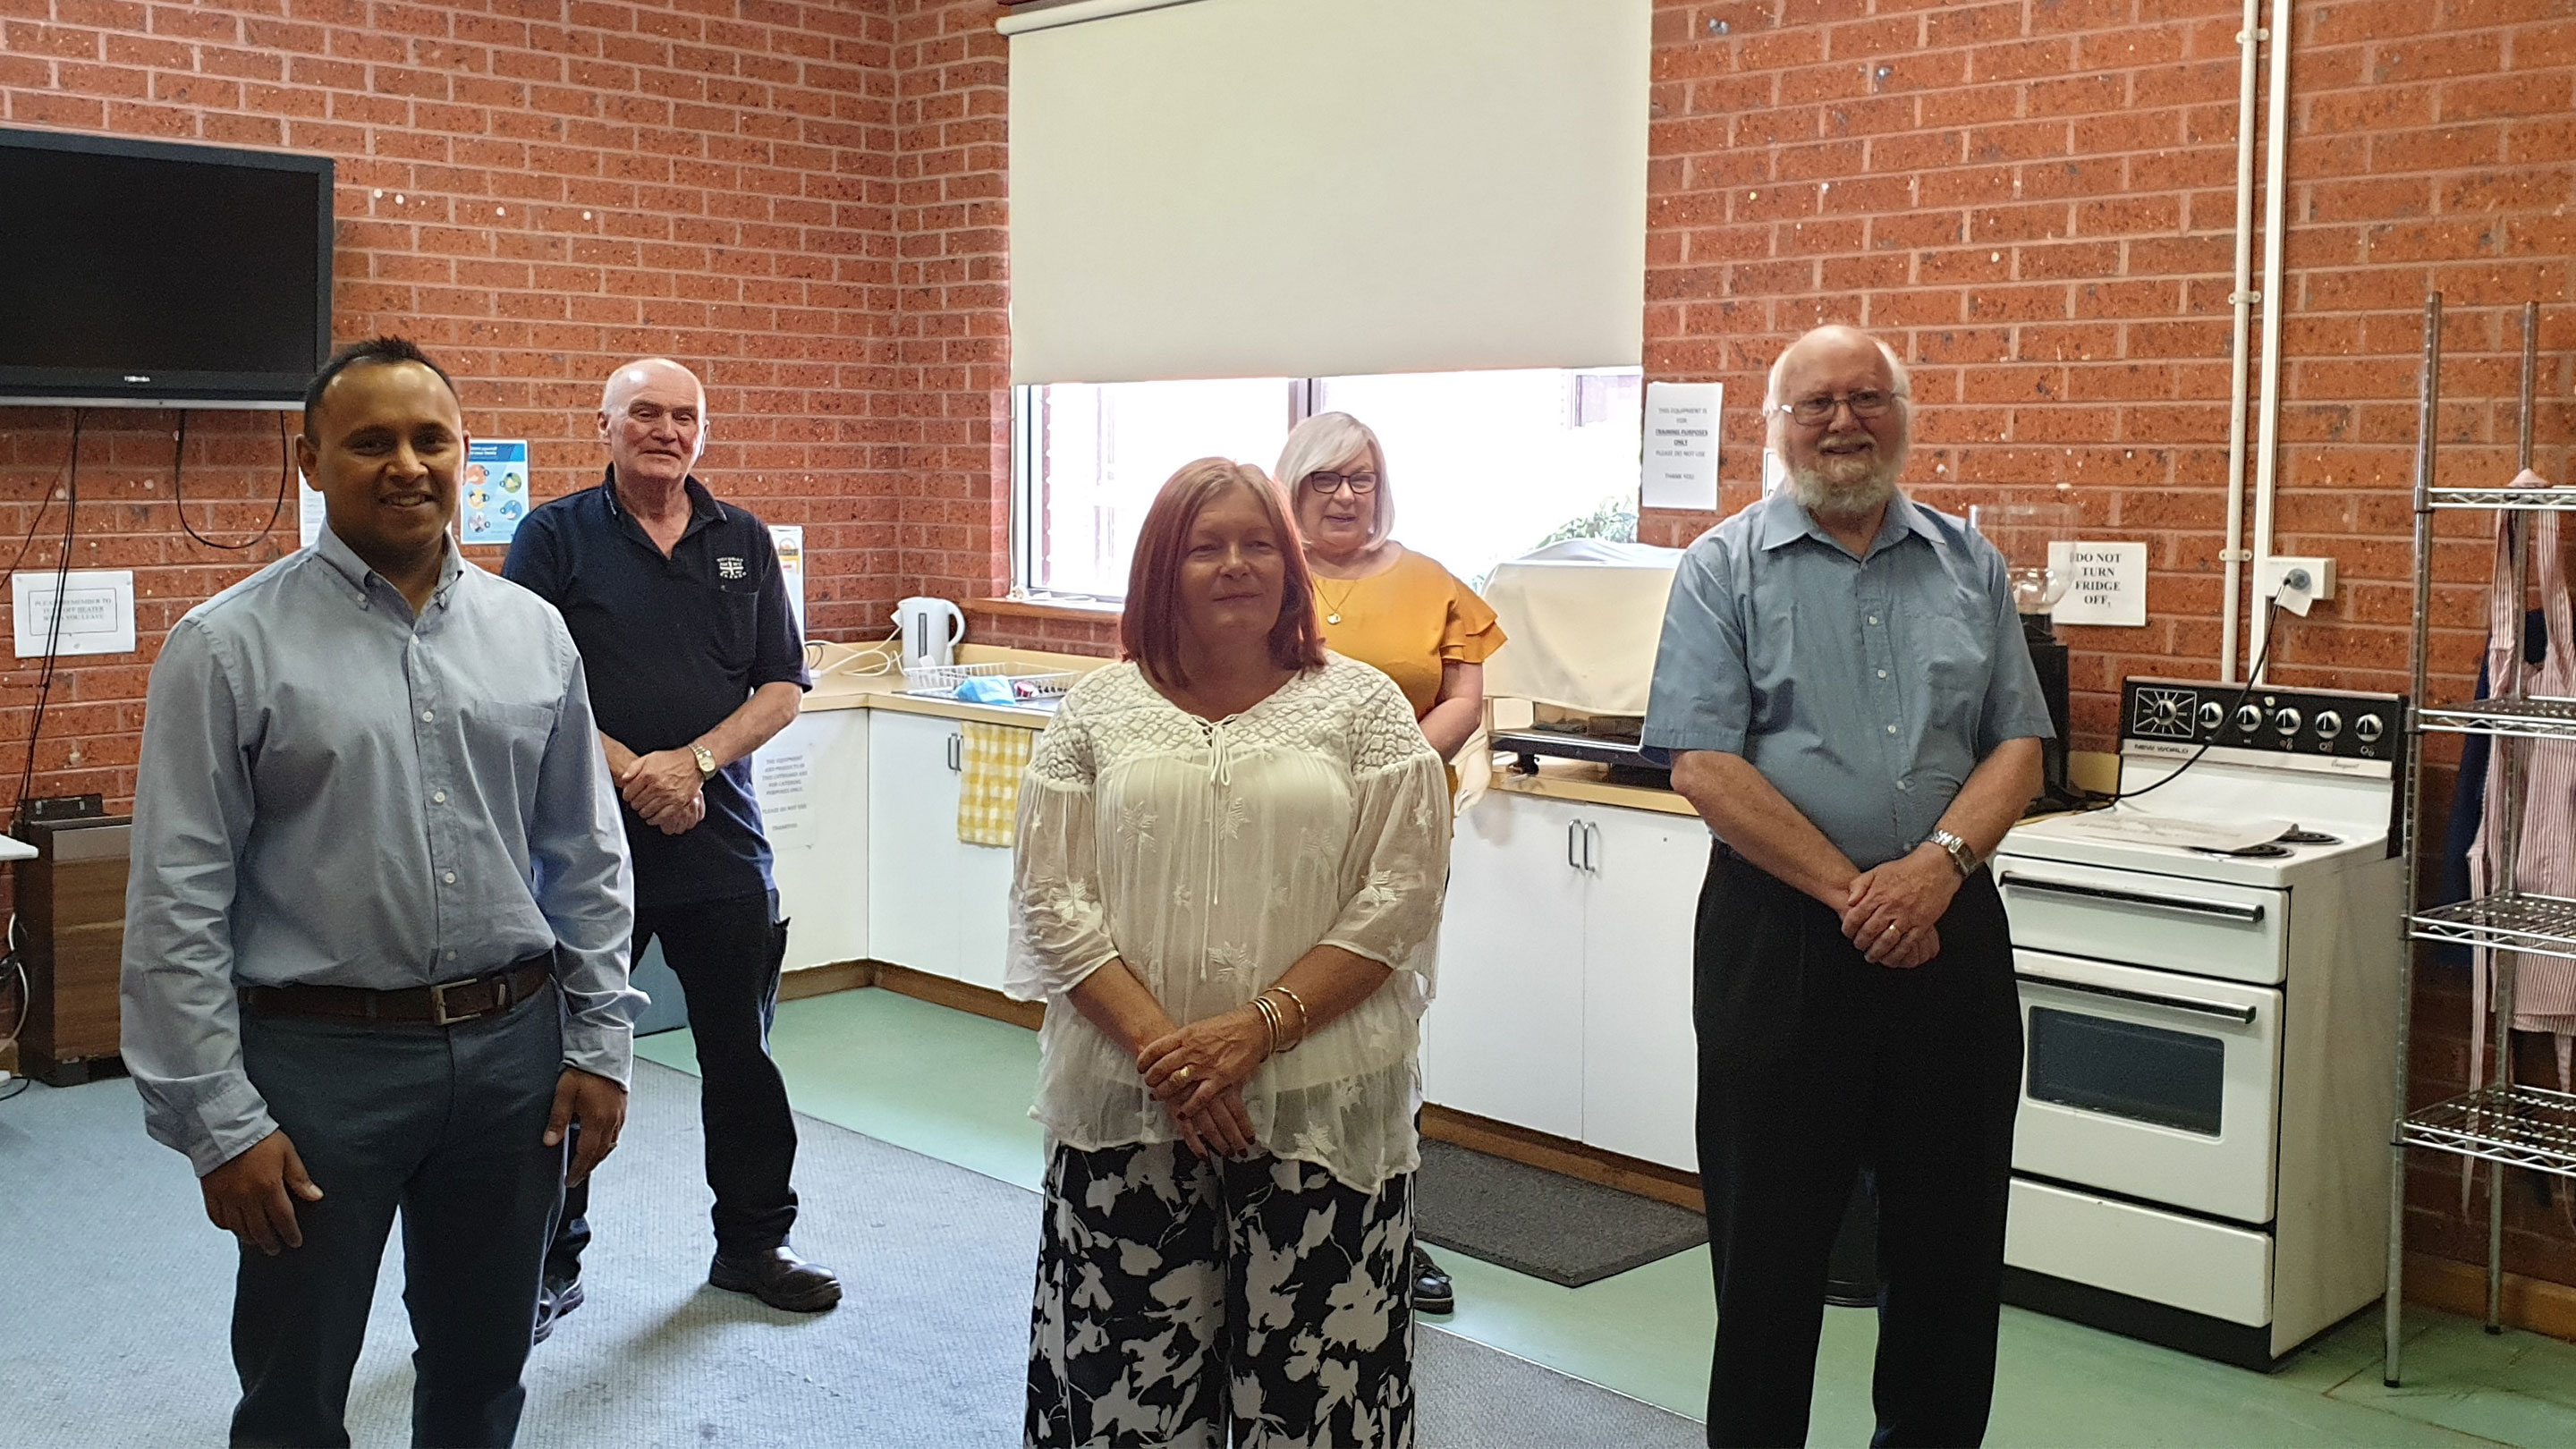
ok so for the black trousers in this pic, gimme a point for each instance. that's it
(444, 1126)
(1815, 1064)
(727, 955)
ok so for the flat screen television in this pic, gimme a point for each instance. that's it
(145, 273)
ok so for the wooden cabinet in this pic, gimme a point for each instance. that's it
(71, 934)
(935, 904)
(1564, 998)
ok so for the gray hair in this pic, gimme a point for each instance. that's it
(1900, 381)
(1320, 442)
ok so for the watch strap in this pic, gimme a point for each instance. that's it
(706, 760)
(1962, 854)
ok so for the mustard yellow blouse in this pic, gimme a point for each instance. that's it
(1407, 621)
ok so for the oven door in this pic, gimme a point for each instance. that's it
(2149, 1084)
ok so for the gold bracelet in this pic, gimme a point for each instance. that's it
(1269, 1014)
(1305, 1018)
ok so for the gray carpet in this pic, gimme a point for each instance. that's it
(114, 1294)
(1545, 1224)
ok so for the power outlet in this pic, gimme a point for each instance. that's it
(2273, 574)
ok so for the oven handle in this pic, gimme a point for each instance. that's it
(2195, 905)
(2241, 1015)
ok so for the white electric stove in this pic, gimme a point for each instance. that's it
(2208, 977)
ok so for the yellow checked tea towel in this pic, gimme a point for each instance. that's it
(988, 789)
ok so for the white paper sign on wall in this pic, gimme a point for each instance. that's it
(1681, 444)
(97, 612)
(2109, 584)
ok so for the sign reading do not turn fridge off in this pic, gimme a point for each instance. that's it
(2108, 584)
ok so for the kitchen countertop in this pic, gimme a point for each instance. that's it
(838, 685)
(1582, 781)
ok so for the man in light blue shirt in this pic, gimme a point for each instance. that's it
(376, 926)
(1844, 692)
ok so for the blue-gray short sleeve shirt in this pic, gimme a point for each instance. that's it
(1865, 690)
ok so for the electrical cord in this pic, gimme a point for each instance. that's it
(2271, 618)
(54, 628)
(179, 498)
(26, 1003)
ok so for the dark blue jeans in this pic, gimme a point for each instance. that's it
(727, 954)
(445, 1127)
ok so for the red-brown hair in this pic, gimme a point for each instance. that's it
(1149, 632)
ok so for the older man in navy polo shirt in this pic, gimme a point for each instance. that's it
(1849, 704)
(694, 660)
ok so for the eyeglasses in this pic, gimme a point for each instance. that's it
(1866, 402)
(1327, 484)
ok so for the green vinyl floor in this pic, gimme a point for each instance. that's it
(957, 1087)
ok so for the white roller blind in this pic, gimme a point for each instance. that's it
(1298, 188)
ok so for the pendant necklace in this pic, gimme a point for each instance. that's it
(1333, 609)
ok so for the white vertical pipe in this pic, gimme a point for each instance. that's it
(2267, 443)
(2241, 302)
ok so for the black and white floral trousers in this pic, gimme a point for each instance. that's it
(1187, 1302)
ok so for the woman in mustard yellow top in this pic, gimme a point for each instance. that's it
(1385, 605)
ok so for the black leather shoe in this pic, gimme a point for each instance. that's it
(1432, 1290)
(778, 1278)
(554, 1300)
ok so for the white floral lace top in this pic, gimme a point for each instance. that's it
(1209, 857)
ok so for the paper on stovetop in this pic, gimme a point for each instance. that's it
(2143, 827)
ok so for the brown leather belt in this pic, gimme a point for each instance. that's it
(444, 1004)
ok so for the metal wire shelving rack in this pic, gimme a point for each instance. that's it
(2499, 1122)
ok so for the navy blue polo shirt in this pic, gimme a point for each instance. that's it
(672, 646)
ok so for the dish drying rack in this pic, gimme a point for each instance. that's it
(940, 681)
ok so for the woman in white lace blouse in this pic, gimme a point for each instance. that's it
(1231, 853)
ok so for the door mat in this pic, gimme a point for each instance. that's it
(1530, 1220)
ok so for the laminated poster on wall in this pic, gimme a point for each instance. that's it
(308, 511)
(789, 538)
(494, 492)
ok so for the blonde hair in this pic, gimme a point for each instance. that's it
(1320, 442)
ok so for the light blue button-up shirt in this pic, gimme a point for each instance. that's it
(1864, 689)
(333, 791)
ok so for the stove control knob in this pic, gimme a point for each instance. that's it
(2367, 728)
(2249, 718)
(2329, 725)
(2286, 721)
(2212, 715)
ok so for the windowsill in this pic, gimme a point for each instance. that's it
(1098, 613)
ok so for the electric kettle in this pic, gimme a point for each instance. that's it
(931, 629)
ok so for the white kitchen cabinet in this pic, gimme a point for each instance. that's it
(936, 904)
(1504, 1035)
(912, 820)
(1565, 974)
(812, 783)
(1640, 1053)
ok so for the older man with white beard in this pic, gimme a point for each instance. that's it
(1847, 701)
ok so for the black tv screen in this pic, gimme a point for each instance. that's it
(143, 272)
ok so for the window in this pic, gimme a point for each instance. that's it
(1483, 466)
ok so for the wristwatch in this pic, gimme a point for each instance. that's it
(707, 763)
(1962, 854)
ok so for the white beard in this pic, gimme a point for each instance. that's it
(1847, 487)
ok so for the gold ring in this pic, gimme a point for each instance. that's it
(1182, 1076)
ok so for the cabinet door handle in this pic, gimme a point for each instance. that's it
(1573, 833)
(957, 753)
(1591, 837)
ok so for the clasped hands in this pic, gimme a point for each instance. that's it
(1890, 910)
(663, 787)
(1197, 1072)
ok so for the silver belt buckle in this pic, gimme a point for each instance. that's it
(438, 1011)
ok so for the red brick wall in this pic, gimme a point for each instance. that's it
(536, 191)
